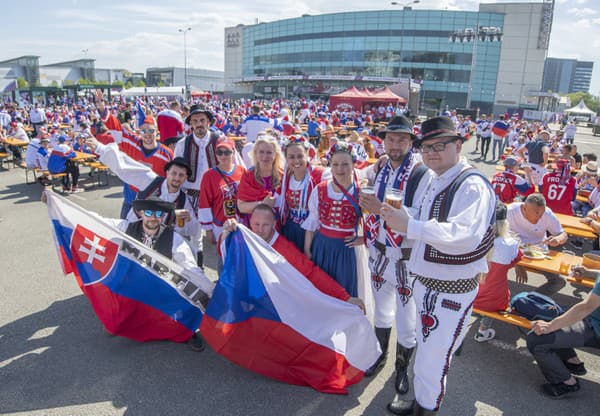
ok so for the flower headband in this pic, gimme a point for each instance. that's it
(295, 139)
(342, 147)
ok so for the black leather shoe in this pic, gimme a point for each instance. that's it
(401, 407)
(560, 390)
(197, 343)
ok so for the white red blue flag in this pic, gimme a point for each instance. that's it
(265, 316)
(135, 291)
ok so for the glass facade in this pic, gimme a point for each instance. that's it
(387, 44)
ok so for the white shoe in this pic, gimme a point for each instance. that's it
(484, 336)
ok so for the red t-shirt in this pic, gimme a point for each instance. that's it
(559, 196)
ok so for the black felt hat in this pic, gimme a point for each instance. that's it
(153, 203)
(438, 127)
(399, 124)
(199, 108)
(179, 161)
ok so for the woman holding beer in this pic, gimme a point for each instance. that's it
(299, 179)
(333, 220)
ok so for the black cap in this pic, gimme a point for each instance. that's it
(399, 124)
(154, 203)
(179, 161)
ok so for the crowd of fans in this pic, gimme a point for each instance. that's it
(303, 170)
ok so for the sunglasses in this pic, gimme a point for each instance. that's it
(148, 130)
(148, 213)
(224, 152)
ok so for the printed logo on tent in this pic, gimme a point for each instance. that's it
(93, 255)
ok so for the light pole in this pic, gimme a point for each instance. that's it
(405, 7)
(479, 34)
(185, 78)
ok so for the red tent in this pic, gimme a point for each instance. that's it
(356, 99)
(201, 94)
(351, 98)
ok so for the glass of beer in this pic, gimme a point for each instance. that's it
(567, 259)
(393, 197)
(367, 191)
(180, 218)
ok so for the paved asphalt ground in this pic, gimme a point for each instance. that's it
(55, 359)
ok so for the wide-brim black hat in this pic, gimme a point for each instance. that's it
(438, 127)
(153, 203)
(179, 161)
(198, 108)
(398, 124)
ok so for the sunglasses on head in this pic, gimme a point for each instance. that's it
(148, 130)
(148, 213)
(224, 152)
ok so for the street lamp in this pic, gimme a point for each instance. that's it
(405, 6)
(479, 34)
(185, 78)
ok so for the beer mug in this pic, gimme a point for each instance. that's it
(180, 218)
(393, 197)
(567, 259)
(367, 190)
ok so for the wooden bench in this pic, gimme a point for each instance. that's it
(580, 281)
(5, 157)
(506, 316)
(99, 169)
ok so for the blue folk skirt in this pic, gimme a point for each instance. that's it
(294, 233)
(337, 260)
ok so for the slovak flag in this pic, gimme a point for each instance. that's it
(135, 292)
(267, 317)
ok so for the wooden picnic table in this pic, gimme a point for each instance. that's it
(15, 142)
(573, 222)
(83, 157)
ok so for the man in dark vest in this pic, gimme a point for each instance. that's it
(448, 213)
(152, 231)
(199, 151)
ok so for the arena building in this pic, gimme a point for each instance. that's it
(492, 59)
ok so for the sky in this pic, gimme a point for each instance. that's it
(135, 35)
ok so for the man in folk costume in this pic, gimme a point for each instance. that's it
(199, 151)
(448, 212)
(390, 280)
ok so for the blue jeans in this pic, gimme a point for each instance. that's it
(497, 143)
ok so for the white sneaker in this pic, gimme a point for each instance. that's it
(484, 336)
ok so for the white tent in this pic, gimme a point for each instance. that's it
(580, 109)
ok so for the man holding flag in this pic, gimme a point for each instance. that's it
(262, 223)
(140, 277)
(266, 316)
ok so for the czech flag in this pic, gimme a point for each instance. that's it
(135, 292)
(267, 317)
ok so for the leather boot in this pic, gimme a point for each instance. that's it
(403, 356)
(383, 336)
(401, 407)
(420, 411)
